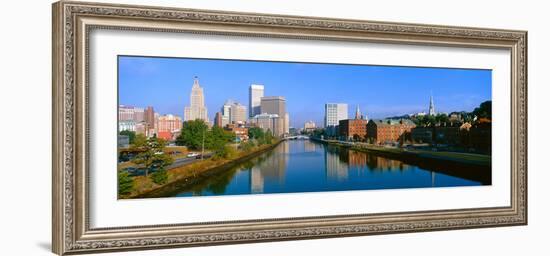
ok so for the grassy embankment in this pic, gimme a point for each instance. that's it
(193, 171)
(456, 157)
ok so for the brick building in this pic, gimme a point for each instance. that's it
(240, 131)
(452, 135)
(352, 128)
(389, 130)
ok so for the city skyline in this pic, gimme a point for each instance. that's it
(165, 84)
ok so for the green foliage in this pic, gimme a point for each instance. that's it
(218, 138)
(268, 137)
(426, 120)
(441, 119)
(125, 183)
(247, 146)
(131, 135)
(255, 133)
(225, 152)
(160, 176)
(318, 132)
(484, 110)
(192, 134)
(150, 153)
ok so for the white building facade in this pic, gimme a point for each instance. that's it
(256, 92)
(334, 112)
(197, 109)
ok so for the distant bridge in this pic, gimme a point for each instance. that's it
(297, 137)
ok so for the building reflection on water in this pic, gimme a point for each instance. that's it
(270, 167)
(336, 169)
(297, 166)
(339, 162)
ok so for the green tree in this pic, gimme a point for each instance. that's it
(131, 135)
(218, 138)
(247, 146)
(225, 152)
(268, 137)
(160, 176)
(192, 134)
(255, 133)
(484, 110)
(441, 119)
(125, 183)
(318, 132)
(150, 153)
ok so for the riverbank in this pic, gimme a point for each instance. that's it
(465, 158)
(184, 176)
(471, 166)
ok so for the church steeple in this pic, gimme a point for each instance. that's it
(358, 113)
(431, 111)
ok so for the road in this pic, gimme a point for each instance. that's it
(185, 161)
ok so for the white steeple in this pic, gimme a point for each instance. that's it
(431, 111)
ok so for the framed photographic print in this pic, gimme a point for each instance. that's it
(179, 127)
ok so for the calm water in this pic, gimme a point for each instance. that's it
(308, 166)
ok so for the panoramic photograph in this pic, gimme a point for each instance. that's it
(192, 127)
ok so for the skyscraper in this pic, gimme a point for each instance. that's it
(276, 105)
(233, 112)
(273, 105)
(256, 92)
(286, 128)
(268, 122)
(238, 113)
(334, 112)
(431, 112)
(218, 119)
(149, 116)
(197, 109)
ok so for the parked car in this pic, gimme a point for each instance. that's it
(193, 154)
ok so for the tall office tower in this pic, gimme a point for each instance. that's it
(149, 117)
(226, 113)
(273, 105)
(238, 113)
(432, 112)
(286, 129)
(256, 92)
(334, 112)
(197, 109)
(233, 112)
(218, 119)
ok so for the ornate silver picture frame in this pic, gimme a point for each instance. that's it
(72, 24)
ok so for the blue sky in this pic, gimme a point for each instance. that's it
(380, 91)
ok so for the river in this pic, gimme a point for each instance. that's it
(308, 166)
